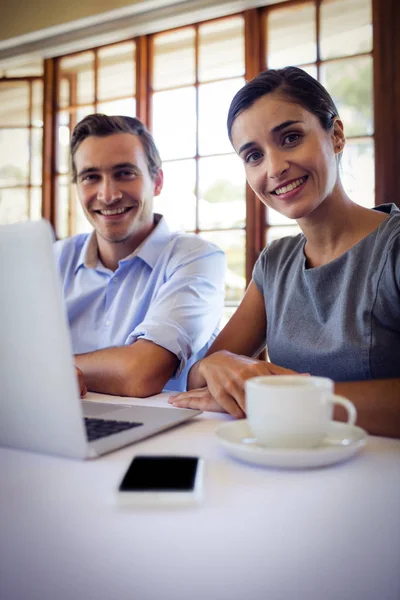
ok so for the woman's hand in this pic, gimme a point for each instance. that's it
(225, 374)
(199, 398)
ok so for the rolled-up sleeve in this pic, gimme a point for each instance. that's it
(185, 313)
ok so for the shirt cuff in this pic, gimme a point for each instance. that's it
(168, 336)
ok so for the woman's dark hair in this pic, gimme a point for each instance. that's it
(293, 83)
(103, 125)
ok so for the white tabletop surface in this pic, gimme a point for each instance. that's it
(320, 534)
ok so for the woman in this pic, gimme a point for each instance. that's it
(326, 302)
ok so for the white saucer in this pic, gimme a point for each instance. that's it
(343, 440)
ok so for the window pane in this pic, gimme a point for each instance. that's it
(68, 202)
(346, 27)
(32, 68)
(275, 218)
(125, 107)
(82, 224)
(63, 156)
(13, 205)
(350, 84)
(36, 204)
(177, 201)
(275, 233)
(291, 36)
(174, 59)
(62, 206)
(84, 112)
(222, 200)
(36, 157)
(116, 71)
(37, 104)
(64, 99)
(79, 69)
(228, 312)
(14, 157)
(221, 49)
(214, 102)
(233, 244)
(311, 70)
(85, 87)
(174, 123)
(14, 104)
(358, 173)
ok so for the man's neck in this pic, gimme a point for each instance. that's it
(110, 253)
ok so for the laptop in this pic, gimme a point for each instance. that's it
(40, 405)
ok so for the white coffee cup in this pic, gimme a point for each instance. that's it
(292, 411)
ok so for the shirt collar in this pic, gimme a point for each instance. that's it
(149, 250)
(151, 247)
(88, 256)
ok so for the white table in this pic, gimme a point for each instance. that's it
(323, 534)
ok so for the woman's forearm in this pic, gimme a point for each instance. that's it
(377, 403)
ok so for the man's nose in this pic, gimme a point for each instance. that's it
(108, 190)
(277, 164)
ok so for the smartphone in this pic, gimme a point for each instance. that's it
(159, 480)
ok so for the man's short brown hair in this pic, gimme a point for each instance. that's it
(102, 125)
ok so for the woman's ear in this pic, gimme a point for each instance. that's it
(338, 136)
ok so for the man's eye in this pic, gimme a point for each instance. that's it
(126, 174)
(90, 177)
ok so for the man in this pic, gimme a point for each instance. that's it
(143, 303)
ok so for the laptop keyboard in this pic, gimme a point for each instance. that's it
(99, 428)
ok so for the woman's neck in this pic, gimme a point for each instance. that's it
(335, 227)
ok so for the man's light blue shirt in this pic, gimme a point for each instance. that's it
(170, 291)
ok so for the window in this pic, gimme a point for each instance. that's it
(196, 72)
(180, 83)
(21, 126)
(333, 42)
(101, 80)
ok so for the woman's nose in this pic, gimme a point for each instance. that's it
(277, 164)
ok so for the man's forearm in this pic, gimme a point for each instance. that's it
(139, 370)
(377, 402)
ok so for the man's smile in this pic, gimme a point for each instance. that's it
(112, 212)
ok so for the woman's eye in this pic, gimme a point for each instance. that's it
(253, 157)
(291, 138)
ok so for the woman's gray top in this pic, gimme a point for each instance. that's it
(340, 320)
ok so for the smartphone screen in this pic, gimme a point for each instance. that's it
(160, 474)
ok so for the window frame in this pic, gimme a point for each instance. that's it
(385, 54)
(30, 80)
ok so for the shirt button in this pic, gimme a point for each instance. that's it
(115, 279)
(107, 323)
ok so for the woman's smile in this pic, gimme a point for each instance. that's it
(291, 188)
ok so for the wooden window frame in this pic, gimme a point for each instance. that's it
(386, 94)
(29, 186)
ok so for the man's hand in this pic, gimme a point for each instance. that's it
(81, 382)
(224, 374)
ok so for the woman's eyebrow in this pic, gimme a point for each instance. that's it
(245, 147)
(284, 125)
(276, 129)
